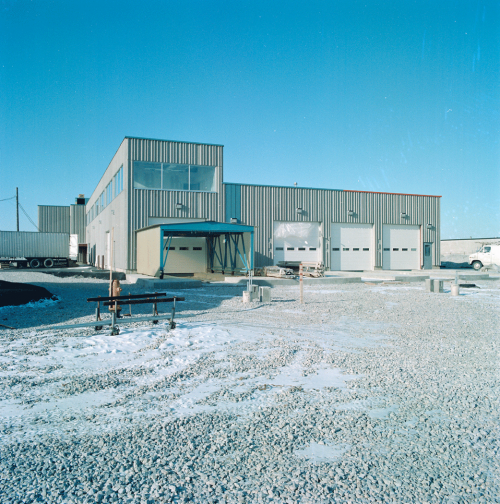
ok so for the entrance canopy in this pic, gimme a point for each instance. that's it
(226, 246)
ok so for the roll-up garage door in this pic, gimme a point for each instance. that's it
(297, 242)
(401, 247)
(352, 247)
(186, 255)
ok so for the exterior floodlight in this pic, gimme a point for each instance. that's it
(178, 206)
(404, 215)
(234, 220)
(299, 210)
(350, 213)
(429, 226)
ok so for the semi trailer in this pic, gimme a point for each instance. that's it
(37, 250)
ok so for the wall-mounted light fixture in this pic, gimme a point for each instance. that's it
(404, 215)
(299, 210)
(178, 206)
(350, 213)
(234, 220)
(429, 226)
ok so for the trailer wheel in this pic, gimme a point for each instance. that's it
(35, 263)
(48, 263)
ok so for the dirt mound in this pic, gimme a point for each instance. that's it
(15, 294)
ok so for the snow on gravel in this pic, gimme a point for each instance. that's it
(365, 393)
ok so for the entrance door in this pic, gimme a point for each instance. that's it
(107, 252)
(427, 255)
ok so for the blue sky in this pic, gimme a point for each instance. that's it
(393, 96)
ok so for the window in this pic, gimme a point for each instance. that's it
(118, 182)
(290, 248)
(366, 249)
(197, 248)
(387, 249)
(405, 250)
(487, 249)
(173, 177)
(147, 175)
(335, 249)
(302, 248)
(356, 249)
(279, 248)
(109, 193)
(101, 201)
(395, 249)
(312, 248)
(413, 249)
(183, 248)
(345, 249)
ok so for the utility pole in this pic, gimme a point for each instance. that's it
(17, 208)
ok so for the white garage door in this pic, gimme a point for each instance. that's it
(186, 255)
(401, 247)
(352, 247)
(297, 242)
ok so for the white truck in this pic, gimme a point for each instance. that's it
(485, 256)
(21, 248)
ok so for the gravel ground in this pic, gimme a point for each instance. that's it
(366, 393)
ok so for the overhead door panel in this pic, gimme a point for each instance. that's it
(297, 242)
(186, 255)
(352, 247)
(401, 247)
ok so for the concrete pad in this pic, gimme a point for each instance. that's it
(282, 282)
(411, 278)
(169, 284)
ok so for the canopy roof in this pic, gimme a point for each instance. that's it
(201, 229)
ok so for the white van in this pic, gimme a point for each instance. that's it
(486, 255)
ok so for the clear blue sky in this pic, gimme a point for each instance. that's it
(396, 96)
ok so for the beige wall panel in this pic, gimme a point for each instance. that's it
(148, 251)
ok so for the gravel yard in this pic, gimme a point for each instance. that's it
(366, 393)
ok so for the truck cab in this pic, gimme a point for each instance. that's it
(486, 255)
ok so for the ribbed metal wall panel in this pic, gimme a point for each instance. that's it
(151, 203)
(262, 205)
(18, 244)
(53, 219)
(77, 222)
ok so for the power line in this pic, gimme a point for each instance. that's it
(27, 216)
(7, 199)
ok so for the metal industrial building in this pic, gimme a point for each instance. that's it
(156, 184)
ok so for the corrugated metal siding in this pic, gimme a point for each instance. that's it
(232, 199)
(77, 222)
(53, 219)
(262, 205)
(195, 205)
(15, 244)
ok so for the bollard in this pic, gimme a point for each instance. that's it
(247, 296)
(428, 284)
(454, 290)
(437, 286)
(265, 294)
